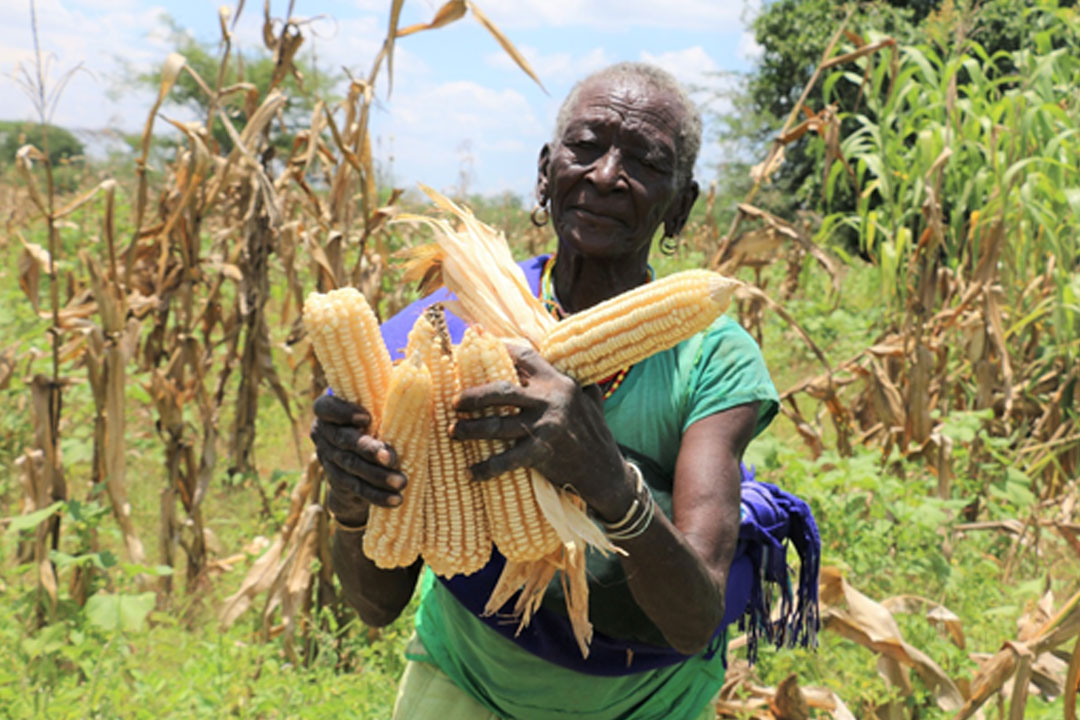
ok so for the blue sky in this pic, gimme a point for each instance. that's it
(459, 103)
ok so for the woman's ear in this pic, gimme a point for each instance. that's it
(543, 164)
(679, 210)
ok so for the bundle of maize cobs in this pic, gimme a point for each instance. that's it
(445, 517)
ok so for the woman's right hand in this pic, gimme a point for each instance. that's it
(360, 468)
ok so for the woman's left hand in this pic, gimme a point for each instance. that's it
(559, 431)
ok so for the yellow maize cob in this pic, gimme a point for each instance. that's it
(345, 334)
(456, 537)
(595, 343)
(394, 535)
(518, 527)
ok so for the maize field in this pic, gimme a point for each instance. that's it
(164, 546)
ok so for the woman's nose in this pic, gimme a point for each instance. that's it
(607, 170)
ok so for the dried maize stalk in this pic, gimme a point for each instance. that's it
(345, 334)
(518, 527)
(394, 535)
(623, 330)
(456, 538)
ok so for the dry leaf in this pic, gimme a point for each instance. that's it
(936, 613)
(762, 172)
(858, 618)
(788, 703)
(30, 278)
(506, 44)
(448, 13)
(391, 35)
(7, 365)
(259, 578)
(24, 161)
(1029, 624)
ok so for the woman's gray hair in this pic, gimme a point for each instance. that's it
(689, 131)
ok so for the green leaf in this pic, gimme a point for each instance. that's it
(32, 520)
(134, 569)
(125, 613)
(1072, 196)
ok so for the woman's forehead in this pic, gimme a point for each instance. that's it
(628, 101)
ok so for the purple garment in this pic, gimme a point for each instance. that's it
(769, 517)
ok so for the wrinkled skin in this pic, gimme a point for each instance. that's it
(360, 468)
(613, 182)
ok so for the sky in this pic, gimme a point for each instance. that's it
(459, 104)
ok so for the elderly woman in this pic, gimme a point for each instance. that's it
(620, 167)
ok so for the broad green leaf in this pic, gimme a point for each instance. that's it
(124, 613)
(917, 55)
(64, 560)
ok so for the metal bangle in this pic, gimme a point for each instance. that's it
(640, 514)
(345, 527)
(634, 506)
(640, 523)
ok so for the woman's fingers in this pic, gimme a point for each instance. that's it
(344, 480)
(335, 410)
(376, 451)
(519, 455)
(528, 361)
(367, 472)
(496, 427)
(501, 393)
(349, 439)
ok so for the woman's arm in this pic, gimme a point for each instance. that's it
(360, 471)
(677, 570)
(378, 596)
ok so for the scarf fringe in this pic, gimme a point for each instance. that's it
(771, 520)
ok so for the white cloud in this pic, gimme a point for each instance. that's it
(375, 6)
(698, 72)
(749, 49)
(466, 108)
(692, 66)
(106, 35)
(89, 33)
(429, 131)
(557, 67)
(614, 14)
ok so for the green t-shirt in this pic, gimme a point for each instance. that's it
(663, 395)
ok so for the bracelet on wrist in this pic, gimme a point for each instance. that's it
(348, 527)
(640, 514)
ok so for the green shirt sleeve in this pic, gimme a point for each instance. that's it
(730, 370)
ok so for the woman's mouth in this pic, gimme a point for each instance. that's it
(598, 216)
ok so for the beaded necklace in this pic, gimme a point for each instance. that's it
(610, 384)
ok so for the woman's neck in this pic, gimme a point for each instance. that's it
(581, 282)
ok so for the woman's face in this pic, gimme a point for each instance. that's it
(612, 177)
